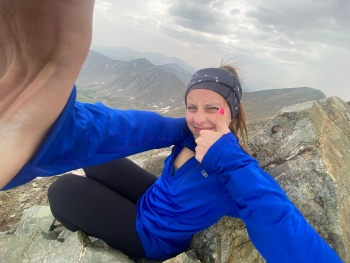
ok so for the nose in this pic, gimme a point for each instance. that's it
(199, 117)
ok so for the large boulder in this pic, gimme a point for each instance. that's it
(306, 148)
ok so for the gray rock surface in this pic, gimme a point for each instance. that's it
(34, 242)
(186, 257)
(225, 241)
(152, 161)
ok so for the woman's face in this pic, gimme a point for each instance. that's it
(202, 109)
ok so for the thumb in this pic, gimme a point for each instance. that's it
(221, 125)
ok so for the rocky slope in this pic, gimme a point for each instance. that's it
(136, 84)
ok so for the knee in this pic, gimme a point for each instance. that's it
(59, 191)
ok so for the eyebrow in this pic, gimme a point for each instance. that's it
(212, 104)
(206, 104)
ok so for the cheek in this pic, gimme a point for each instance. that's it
(212, 119)
(189, 118)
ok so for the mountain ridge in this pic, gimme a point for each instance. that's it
(128, 84)
(139, 84)
(156, 58)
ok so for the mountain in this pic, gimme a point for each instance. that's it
(121, 53)
(181, 74)
(134, 84)
(139, 84)
(253, 84)
(260, 105)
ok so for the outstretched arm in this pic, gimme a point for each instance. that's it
(89, 134)
(275, 226)
(43, 44)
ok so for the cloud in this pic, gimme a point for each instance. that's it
(322, 22)
(202, 17)
(235, 11)
(285, 43)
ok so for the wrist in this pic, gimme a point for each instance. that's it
(217, 152)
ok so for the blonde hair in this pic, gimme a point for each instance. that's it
(238, 125)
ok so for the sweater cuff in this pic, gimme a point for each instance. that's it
(220, 150)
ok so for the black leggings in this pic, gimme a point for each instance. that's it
(103, 204)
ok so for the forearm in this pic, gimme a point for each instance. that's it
(43, 45)
(25, 120)
(275, 226)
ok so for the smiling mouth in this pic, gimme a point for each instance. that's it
(202, 129)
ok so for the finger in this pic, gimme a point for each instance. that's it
(221, 125)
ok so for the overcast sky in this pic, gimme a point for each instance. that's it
(275, 43)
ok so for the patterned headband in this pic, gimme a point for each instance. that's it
(221, 81)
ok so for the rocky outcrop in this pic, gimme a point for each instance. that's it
(35, 241)
(263, 104)
(306, 147)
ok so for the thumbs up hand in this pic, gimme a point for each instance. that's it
(207, 138)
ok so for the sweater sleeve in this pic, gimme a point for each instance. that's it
(275, 226)
(89, 134)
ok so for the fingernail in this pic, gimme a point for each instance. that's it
(222, 111)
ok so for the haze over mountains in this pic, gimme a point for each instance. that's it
(122, 53)
(139, 84)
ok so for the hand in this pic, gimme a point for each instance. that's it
(43, 45)
(207, 138)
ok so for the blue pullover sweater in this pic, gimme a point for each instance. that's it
(179, 204)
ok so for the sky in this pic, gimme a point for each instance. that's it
(275, 44)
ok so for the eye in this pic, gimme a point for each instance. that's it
(212, 109)
(191, 108)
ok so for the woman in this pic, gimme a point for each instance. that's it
(43, 44)
(207, 176)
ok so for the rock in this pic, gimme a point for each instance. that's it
(309, 157)
(186, 257)
(4, 245)
(33, 243)
(12, 229)
(37, 218)
(225, 241)
(306, 147)
(152, 161)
